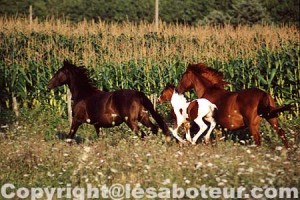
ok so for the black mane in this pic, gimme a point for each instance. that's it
(81, 76)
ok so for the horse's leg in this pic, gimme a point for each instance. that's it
(175, 134)
(145, 120)
(188, 132)
(188, 136)
(73, 130)
(202, 126)
(187, 128)
(97, 128)
(212, 126)
(133, 125)
(254, 129)
(274, 123)
(174, 131)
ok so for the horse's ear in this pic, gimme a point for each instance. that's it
(170, 85)
(190, 66)
(67, 62)
(202, 65)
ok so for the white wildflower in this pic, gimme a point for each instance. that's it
(166, 181)
(50, 174)
(198, 165)
(147, 167)
(279, 148)
(129, 164)
(209, 164)
(113, 170)
(250, 170)
(220, 184)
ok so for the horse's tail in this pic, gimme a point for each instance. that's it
(158, 118)
(267, 108)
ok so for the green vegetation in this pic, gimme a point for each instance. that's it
(131, 56)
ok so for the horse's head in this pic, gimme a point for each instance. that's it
(61, 77)
(187, 81)
(201, 78)
(166, 94)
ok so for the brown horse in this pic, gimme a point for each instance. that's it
(105, 109)
(236, 110)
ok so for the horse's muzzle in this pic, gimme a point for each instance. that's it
(50, 86)
(52, 83)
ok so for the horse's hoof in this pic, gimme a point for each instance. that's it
(206, 142)
(183, 142)
(168, 139)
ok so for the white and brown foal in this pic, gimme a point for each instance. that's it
(185, 112)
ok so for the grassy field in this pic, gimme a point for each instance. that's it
(33, 154)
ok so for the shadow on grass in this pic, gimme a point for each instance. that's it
(7, 117)
(61, 135)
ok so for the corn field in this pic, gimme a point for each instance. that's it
(134, 56)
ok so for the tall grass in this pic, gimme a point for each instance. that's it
(128, 55)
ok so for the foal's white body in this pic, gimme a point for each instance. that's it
(205, 111)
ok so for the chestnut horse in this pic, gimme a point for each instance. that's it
(236, 110)
(185, 112)
(105, 109)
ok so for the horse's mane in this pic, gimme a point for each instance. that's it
(213, 76)
(170, 85)
(81, 74)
